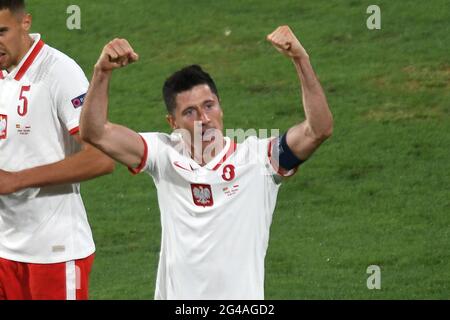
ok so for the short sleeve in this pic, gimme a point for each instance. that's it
(274, 161)
(69, 88)
(268, 163)
(154, 148)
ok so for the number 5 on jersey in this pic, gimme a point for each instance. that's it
(23, 109)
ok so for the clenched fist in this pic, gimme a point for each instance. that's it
(285, 41)
(116, 54)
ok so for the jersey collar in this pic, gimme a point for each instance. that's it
(227, 151)
(217, 161)
(20, 70)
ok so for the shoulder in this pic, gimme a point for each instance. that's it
(61, 65)
(157, 140)
(156, 136)
(159, 149)
(257, 145)
(253, 150)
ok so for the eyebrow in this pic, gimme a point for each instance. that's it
(208, 101)
(3, 29)
(203, 103)
(188, 108)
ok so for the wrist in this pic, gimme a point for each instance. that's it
(101, 72)
(300, 59)
(19, 181)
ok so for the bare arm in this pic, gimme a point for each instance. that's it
(84, 165)
(120, 143)
(304, 138)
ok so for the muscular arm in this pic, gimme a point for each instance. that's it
(119, 142)
(84, 165)
(304, 138)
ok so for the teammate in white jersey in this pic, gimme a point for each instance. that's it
(216, 198)
(46, 245)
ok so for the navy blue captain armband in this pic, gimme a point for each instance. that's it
(286, 158)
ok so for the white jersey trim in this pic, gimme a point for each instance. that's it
(71, 281)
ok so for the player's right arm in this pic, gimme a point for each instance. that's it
(119, 142)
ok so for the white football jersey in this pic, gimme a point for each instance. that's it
(215, 219)
(40, 105)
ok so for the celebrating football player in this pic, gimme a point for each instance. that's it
(216, 202)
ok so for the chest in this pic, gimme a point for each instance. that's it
(25, 107)
(202, 187)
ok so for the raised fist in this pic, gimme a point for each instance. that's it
(116, 54)
(285, 41)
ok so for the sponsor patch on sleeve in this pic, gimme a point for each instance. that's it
(78, 101)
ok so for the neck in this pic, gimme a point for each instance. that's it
(27, 43)
(203, 155)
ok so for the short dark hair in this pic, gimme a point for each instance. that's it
(13, 5)
(184, 80)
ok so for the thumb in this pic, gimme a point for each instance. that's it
(134, 57)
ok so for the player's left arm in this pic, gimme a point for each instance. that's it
(86, 164)
(304, 138)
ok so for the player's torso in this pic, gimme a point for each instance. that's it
(47, 224)
(204, 190)
(224, 199)
(216, 225)
(31, 133)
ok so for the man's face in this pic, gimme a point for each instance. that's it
(14, 38)
(198, 112)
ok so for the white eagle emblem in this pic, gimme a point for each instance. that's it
(202, 195)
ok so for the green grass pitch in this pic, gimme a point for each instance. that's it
(376, 193)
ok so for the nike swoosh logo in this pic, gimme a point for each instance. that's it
(176, 163)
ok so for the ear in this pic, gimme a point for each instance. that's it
(26, 22)
(221, 110)
(171, 120)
